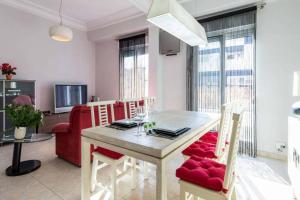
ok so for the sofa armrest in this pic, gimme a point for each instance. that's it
(61, 128)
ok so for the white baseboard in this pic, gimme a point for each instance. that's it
(276, 156)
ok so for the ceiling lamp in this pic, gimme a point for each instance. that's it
(170, 16)
(60, 32)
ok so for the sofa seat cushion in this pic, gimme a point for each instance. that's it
(203, 172)
(61, 128)
(201, 149)
(111, 154)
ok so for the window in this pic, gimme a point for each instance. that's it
(133, 67)
(225, 71)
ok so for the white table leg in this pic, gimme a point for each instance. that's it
(133, 173)
(161, 181)
(85, 170)
(145, 167)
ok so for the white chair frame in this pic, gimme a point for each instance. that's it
(132, 107)
(149, 103)
(98, 157)
(223, 129)
(192, 191)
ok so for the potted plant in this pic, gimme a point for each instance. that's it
(149, 126)
(8, 71)
(22, 117)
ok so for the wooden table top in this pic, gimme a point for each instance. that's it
(155, 146)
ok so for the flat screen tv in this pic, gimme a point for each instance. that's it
(68, 95)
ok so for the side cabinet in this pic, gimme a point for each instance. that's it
(294, 153)
(10, 89)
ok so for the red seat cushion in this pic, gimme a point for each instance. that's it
(201, 149)
(109, 153)
(210, 137)
(203, 172)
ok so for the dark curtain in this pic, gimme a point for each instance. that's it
(192, 78)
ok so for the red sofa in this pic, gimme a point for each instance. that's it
(68, 141)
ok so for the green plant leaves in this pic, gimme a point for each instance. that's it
(24, 115)
(149, 125)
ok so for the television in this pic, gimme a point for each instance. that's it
(68, 95)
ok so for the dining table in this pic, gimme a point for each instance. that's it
(147, 147)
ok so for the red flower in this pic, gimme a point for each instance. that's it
(5, 65)
(6, 68)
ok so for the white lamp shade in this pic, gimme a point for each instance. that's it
(170, 16)
(296, 85)
(60, 33)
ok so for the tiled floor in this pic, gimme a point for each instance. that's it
(259, 179)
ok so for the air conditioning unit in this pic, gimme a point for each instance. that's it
(168, 44)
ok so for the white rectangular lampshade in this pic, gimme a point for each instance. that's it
(296, 85)
(171, 17)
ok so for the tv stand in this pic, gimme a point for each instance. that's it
(50, 119)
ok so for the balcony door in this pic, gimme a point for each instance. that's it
(226, 71)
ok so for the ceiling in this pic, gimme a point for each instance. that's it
(81, 14)
(89, 10)
(87, 15)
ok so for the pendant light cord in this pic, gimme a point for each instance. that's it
(60, 12)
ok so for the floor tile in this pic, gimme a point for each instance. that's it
(259, 179)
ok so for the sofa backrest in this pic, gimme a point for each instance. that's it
(80, 117)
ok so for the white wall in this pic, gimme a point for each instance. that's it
(167, 75)
(25, 43)
(174, 81)
(155, 67)
(278, 31)
(107, 70)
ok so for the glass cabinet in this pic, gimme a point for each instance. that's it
(9, 90)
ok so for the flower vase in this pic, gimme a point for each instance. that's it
(20, 133)
(8, 76)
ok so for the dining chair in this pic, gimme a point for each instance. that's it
(149, 103)
(132, 105)
(216, 150)
(207, 179)
(101, 156)
(212, 136)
